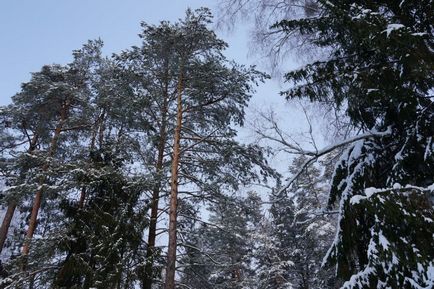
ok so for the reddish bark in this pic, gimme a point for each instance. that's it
(171, 252)
(6, 223)
(13, 205)
(38, 196)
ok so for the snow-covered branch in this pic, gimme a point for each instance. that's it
(314, 155)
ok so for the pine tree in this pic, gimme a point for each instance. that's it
(102, 235)
(210, 97)
(11, 142)
(193, 95)
(95, 128)
(150, 70)
(101, 155)
(42, 105)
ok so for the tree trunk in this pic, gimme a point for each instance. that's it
(12, 205)
(150, 251)
(171, 252)
(82, 198)
(6, 223)
(38, 196)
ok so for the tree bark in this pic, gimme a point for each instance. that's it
(38, 196)
(171, 252)
(12, 205)
(150, 251)
(7, 223)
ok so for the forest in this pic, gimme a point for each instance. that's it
(128, 170)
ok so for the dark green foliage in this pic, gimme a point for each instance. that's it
(378, 66)
(104, 243)
(393, 229)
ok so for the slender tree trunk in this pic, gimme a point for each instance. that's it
(150, 251)
(12, 205)
(101, 128)
(171, 252)
(82, 198)
(6, 223)
(38, 196)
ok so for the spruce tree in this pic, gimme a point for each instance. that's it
(292, 244)
(219, 252)
(375, 64)
(379, 68)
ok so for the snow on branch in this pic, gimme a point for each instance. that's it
(275, 134)
(369, 192)
(314, 155)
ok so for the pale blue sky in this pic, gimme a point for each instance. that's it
(38, 32)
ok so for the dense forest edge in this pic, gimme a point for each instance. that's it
(127, 171)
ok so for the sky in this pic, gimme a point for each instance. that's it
(34, 33)
(38, 32)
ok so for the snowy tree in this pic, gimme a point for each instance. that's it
(376, 64)
(193, 96)
(219, 251)
(292, 244)
(104, 226)
(91, 131)
(41, 108)
(378, 67)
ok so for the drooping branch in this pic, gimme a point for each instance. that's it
(275, 134)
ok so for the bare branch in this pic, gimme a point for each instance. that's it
(315, 155)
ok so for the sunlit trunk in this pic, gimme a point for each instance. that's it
(171, 252)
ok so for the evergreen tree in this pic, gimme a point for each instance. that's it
(292, 244)
(93, 144)
(379, 68)
(41, 107)
(93, 139)
(104, 238)
(193, 95)
(219, 251)
(104, 226)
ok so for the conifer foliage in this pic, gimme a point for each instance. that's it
(219, 253)
(293, 241)
(104, 140)
(376, 64)
(380, 69)
(105, 159)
